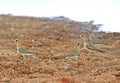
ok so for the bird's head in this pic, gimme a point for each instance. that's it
(82, 36)
(16, 40)
(77, 44)
(90, 32)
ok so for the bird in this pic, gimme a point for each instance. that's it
(87, 45)
(74, 52)
(94, 40)
(24, 52)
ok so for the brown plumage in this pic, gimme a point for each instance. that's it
(74, 52)
(24, 52)
(94, 40)
(88, 45)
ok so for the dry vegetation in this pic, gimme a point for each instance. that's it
(53, 40)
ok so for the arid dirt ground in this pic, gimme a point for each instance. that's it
(52, 40)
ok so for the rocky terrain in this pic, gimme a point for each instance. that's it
(52, 40)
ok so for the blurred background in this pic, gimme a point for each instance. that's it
(105, 12)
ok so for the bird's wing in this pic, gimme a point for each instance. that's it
(96, 41)
(91, 47)
(73, 52)
(23, 50)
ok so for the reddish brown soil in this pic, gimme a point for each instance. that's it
(53, 40)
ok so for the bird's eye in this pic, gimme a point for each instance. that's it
(90, 31)
(16, 40)
(81, 35)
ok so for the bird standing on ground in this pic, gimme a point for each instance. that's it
(24, 52)
(88, 45)
(94, 40)
(74, 52)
